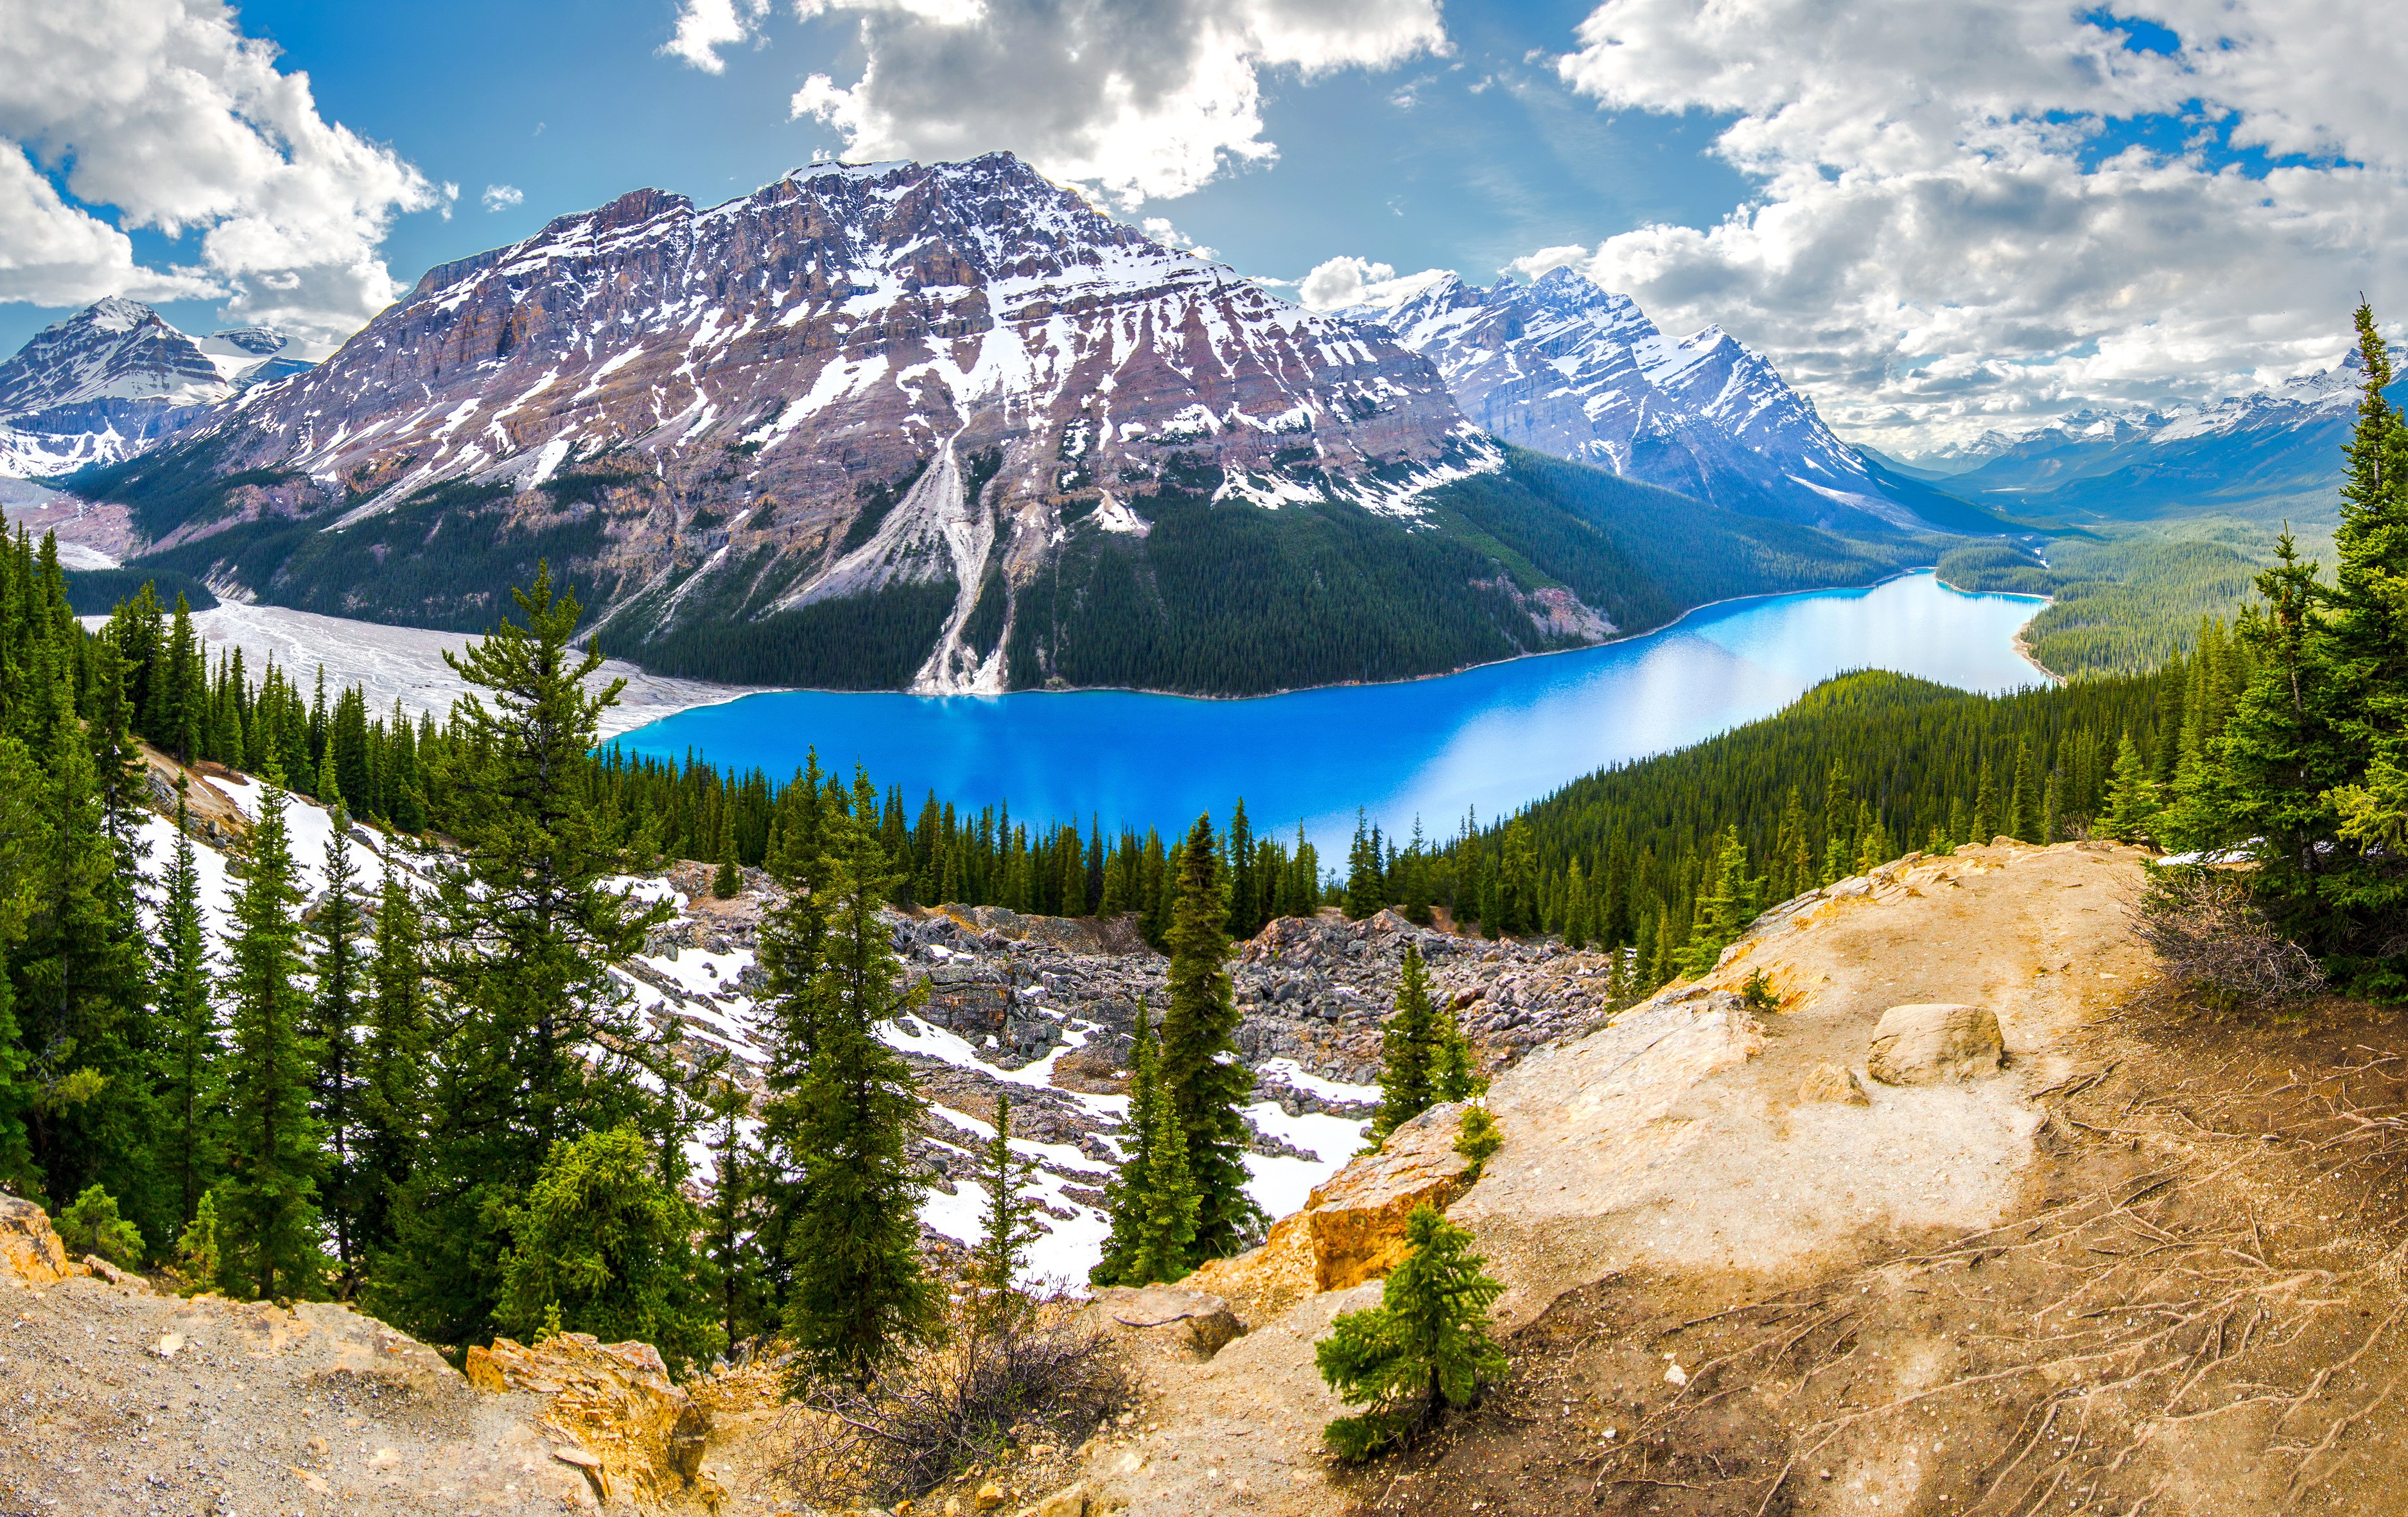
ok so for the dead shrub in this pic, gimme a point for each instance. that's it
(2214, 942)
(1001, 1379)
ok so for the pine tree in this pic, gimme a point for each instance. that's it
(1727, 909)
(333, 1029)
(2131, 796)
(729, 880)
(269, 1227)
(1409, 1052)
(542, 1043)
(604, 1245)
(1199, 1054)
(859, 1294)
(2027, 808)
(1985, 808)
(732, 1225)
(393, 1066)
(1365, 891)
(191, 1074)
(1170, 1204)
(1002, 1252)
(1424, 1348)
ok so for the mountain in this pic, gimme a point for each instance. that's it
(116, 378)
(939, 428)
(1565, 368)
(2260, 456)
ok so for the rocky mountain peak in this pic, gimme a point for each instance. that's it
(113, 350)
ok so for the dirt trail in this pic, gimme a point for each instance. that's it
(1674, 1141)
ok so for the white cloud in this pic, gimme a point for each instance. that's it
(1340, 282)
(164, 112)
(1948, 235)
(1160, 230)
(501, 196)
(704, 26)
(1140, 99)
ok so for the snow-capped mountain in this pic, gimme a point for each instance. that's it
(2262, 454)
(115, 378)
(871, 402)
(1565, 368)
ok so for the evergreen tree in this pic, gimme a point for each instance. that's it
(2131, 796)
(191, 1074)
(734, 1221)
(394, 1062)
(267, 1213)
(542, 1043)
(335, 1016)
(859, 1294)
(1985, 808)
(1727, 910)
(1170, 1205)
(1002, 1251)
(1366, 892)
(2026, 809)
(604, 1245)
(1208, 1085)
(729, 880)
(1424, 1348)
(1409, 1052)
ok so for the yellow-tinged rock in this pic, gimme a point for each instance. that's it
(615, 1400)
(1351, 1228)
(28, 1246)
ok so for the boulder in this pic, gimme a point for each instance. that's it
(1204, 1321)
(1831, 1082)
(1069, 1501)
(1351, 1228)
(28, 1245)
(1935, 1043)
(615, 1400)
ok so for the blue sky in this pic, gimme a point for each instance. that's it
(1936, 219)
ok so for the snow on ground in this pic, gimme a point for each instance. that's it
(1069, 1248)
(910, 1035)
(406, 663)
(1297, 1077)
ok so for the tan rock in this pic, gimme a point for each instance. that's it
(1069, 1501)
(95, 1263)
(29, 1246)
(1935, 1043)
(615, 1400)
(990, 1496)
(1203, 1322)
(1351, 1228)
(1831, 1083)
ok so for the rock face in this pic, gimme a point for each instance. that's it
(1934, 1043)
(1351, 1228)
(863, 402)
(1203, 1321)
(642, 1433)
(29, 1247)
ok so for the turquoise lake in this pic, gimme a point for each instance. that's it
(1493, 738)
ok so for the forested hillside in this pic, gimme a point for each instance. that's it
(2122, 606)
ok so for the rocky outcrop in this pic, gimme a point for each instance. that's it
(1930, 1044)
(29, 1247)
(1200, 1320)
(1351, 1228)
(629, 1427)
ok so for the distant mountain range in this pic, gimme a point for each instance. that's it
(944, 428)
(115, 377)
(2260, 457)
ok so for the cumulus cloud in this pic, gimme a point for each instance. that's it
(164, 113)
(1975, 214)
(1140, 99)
(1336, 283)
(502, 197)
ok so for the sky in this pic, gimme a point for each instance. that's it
(1936, 219)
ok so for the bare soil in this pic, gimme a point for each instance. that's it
(2193, 1307)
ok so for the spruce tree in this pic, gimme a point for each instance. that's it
(1124, 1193)
(1728, 908)
(1985, 808)
(335, 1017)
(1199, 1054)
(732, 1224)
(2131, 796)
(191, 1074)
(1363, 888)
(859, 1294)
(1002, 1252)
(394, 1061)
(267, 1213)
(542, 1044)
(1170, 1203)
(1424, 1348)
(1409, 1052)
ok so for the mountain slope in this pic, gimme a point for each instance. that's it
(2260, 457)
(1565, 368)
(115, 378)
(838, 426)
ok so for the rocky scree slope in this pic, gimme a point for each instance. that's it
(1562, 367)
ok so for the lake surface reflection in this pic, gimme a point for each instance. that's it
(1492, 739)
